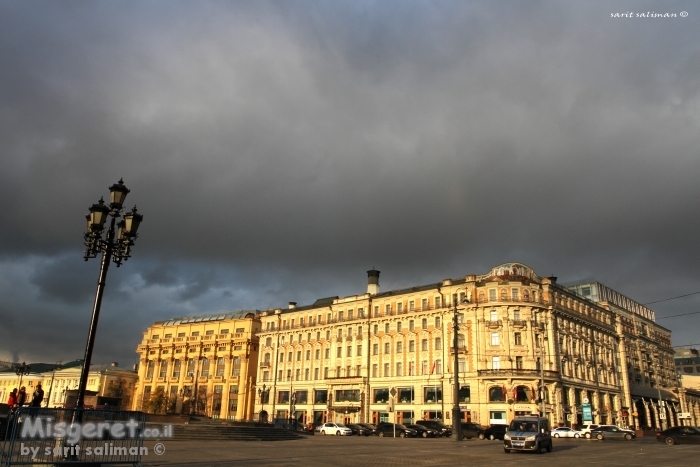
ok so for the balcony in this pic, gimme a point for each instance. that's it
(518, 372)
(460, 349)
(494, 324)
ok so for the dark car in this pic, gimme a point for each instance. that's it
(472, 430)
(372, 428)
(397, 430)
(494, 432)
(423, 432)
(612, 432)
(359, 430)
(679, 435)
(436, 425)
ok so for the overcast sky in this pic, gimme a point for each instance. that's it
(278, 150)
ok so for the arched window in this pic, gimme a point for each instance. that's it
(496, 394)
(267, 357)
(522, 394)
(504, 295)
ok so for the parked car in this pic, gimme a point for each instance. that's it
(359, 430)
(397, 430)
(336, 429)
(612, 432)
(436, 425)
(495, 432)
(423, 432)
(679, 435)
(586, 430)
(565, 432)
(372, 428)
(472, 430)
(528, 434)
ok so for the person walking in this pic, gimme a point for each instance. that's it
(38, 396)
(22, 396)
(12, 400)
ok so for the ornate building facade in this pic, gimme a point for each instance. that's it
(200, 365)
(388, 356)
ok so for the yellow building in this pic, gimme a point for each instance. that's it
(388, 356)
(200, 364)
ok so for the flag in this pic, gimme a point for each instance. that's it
(432, 368)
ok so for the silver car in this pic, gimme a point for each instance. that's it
(336, 429)
(565, 432)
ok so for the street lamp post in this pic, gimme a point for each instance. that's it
(263, 392)
(22, 370)
(456, 412)
(115, 247)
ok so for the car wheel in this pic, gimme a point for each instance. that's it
(337, 433)
(323, 432)
(425, 434)
(588, 436)
(556, 435)
(402, 434)
(381, 434)
(550, 447)
(599, 437)
(481, 436)
(492, 437)
(538, 448)
(577, 435)
(670, 441)
(628, 436)
(506, 450)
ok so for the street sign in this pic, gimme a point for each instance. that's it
(662, 416)
(585, 400)
(684, 415)
(392, 392)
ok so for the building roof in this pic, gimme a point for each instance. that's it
(209, 317)
(44, 367)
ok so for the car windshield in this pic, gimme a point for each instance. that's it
(517, 425)
(340, 425)
(398, 425)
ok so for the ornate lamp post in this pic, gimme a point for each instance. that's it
(263, 392)
(22, 370)
(115, 247)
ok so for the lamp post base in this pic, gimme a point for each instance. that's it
(456, 424)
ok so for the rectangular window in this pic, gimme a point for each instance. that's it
(321, 396)
(424, 304)
(438, 343)
(299, 356)
(387, 309)
(462, 365)
(496, 363)
(424, 367)
(438, 367)
(399, 308)
(494, 315)
(399, 369)
(340, 333)
(359, 350)
(374, 371)
(438, 302)
(387, 348)
(399, 347)
(519, 363)
(381, 396)
(220, 366)
(411, 346)
(437, 322)
(349, 351)
(386, 328)
(398, 327)
(492, 295)
(405, 395)
(340, 315)
(464, 394)
(494, 338)
(424, 345)
(516, 315)
(518, 338)
(515, 294)
(325, 372)
(282, 397)
(411, 325)
(176, 368)
(347, 395)
(376, 311)
(327, 353)
(376, 329)
(432, 394)
(339, 352)
(317, 354)
(412, 305)
(360, 312)
(375, 349)
(308, 354)
(386, 370)
(315, 374)
(424, 324)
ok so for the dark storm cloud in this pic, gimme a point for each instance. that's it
(280, 149)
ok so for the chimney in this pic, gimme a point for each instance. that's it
(373, 282)
(114, 364)
(292, 305)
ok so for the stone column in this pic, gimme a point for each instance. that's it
(244, 411)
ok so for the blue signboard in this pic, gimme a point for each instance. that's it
(587, 414)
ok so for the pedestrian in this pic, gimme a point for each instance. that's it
(22, 396)
(12, 401)
(38, 396)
